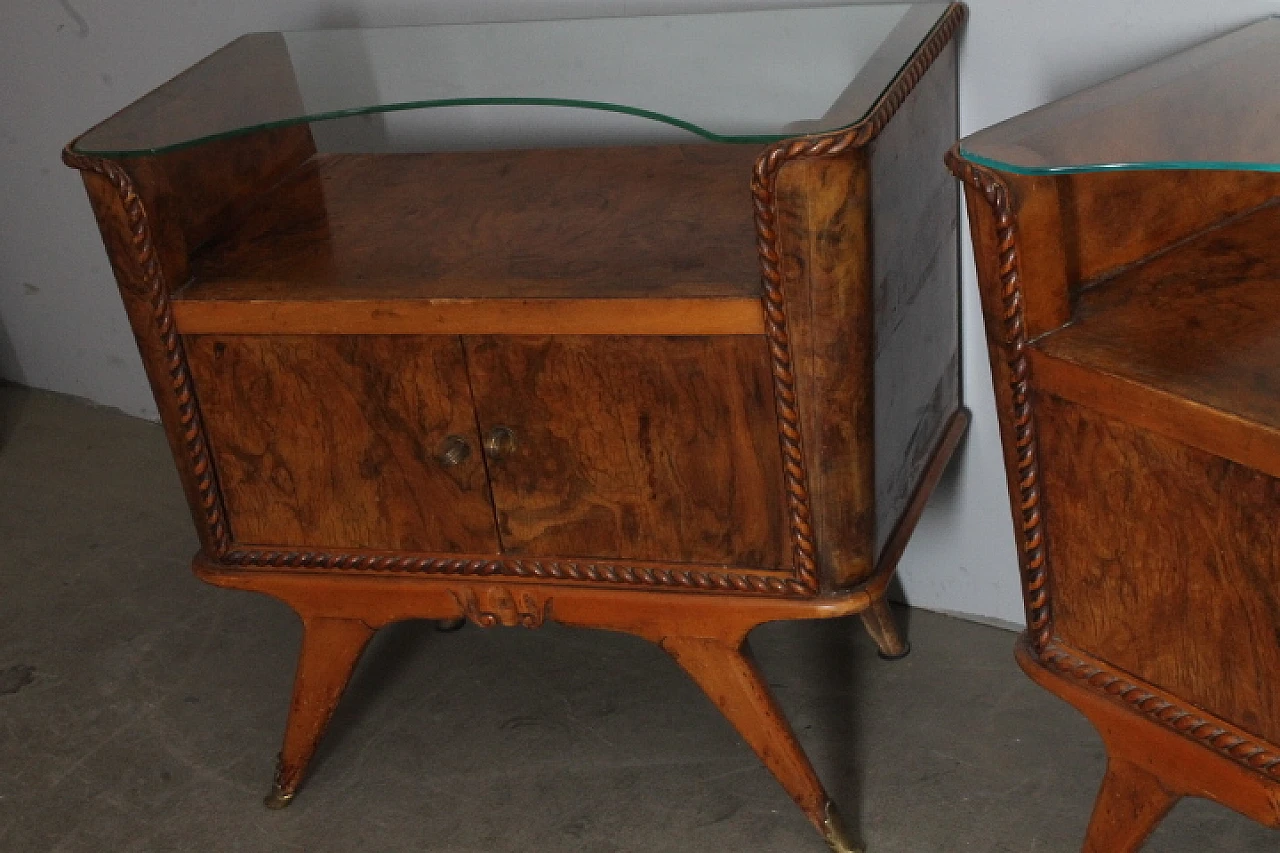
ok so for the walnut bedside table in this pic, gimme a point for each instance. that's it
(677, 377)
(1128, 246)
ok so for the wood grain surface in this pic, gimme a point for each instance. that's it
(1166, 562)
(1187, 343)
(334, 441)
(634, 448)
(665, 222)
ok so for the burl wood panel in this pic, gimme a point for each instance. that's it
(634, 448)
(1166, 562)
(915, 246)
(333, 442)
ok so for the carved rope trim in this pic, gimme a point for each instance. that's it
(156, 291)
(1035, 571)
(548, 570)
(768, 244)
(1228, 742)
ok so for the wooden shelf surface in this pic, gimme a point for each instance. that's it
(1186, 343)
(655, 240)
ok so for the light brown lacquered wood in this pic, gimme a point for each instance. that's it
(1130, 804)
(704, 634)
(727, 673)
(633, 448)
(330, 650)
(338, 442)
(540, 316)
(883, 628)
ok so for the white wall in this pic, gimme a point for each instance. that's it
(65, 64)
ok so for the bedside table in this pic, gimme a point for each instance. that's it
(1127, 251)
(676, 387)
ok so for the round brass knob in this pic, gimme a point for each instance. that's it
(454, 451)
(499, 442)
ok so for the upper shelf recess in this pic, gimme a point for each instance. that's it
(746, 77)
(1215, 106)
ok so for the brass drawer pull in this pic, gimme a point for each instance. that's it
(499, 442)
(454, 451)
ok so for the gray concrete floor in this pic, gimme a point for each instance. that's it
(141, 710)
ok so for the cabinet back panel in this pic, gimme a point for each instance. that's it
(333, 441)
(643, 448)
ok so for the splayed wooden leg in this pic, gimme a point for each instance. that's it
(330, 650)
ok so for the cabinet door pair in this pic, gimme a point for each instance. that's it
(643, 448)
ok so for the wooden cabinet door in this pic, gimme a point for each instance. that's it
(345, 442)
(640, 448)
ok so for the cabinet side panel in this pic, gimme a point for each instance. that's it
(336, 441)
(824, 235)
(1166, 562)
(915, 210)
(640, 448)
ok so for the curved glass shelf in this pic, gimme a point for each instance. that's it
(746, 77)
(1215, 106)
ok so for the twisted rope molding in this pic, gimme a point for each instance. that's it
(1035, 570)
(1214, 735)
(554, 570)
(156, 291)
(1229, 742)
(769, 246)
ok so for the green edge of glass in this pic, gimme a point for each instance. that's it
(747, 139)
(1144, 166)
(447, 102)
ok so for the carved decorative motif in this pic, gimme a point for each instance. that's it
(1230, 743)
(155, 290)
(496, 605)
(1035, 569)
(768, 244)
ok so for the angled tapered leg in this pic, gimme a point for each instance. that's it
(883, 628)
(1129, 806)
(330, 650)
(729, 676)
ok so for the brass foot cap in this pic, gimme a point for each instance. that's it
(906, 650)
(837, 836)
(277, 799)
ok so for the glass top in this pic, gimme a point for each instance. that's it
(1215, 106)
(728, 77)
